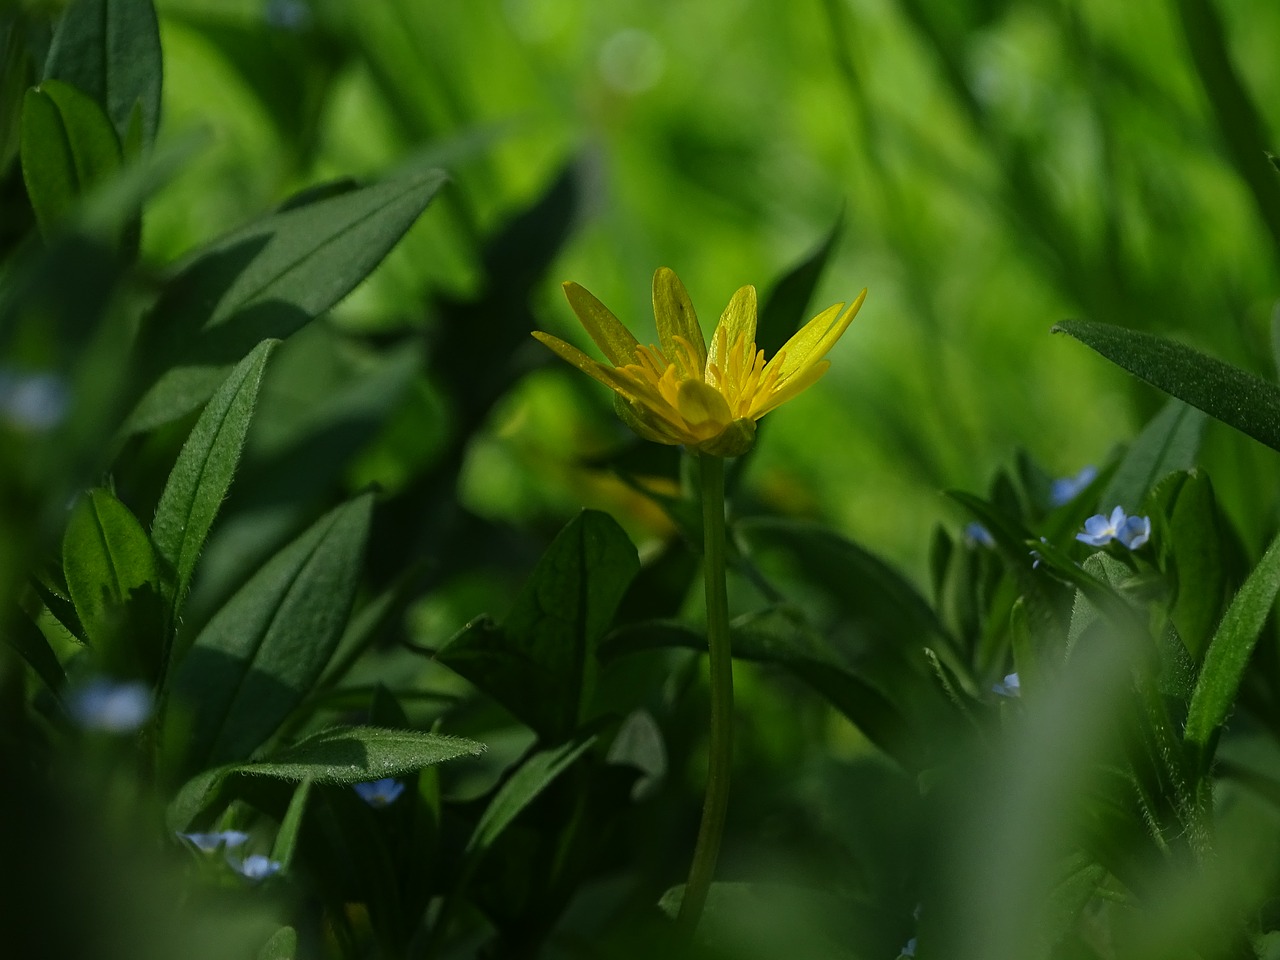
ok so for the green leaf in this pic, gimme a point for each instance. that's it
(111, 572)
(338, 755)
(782, 636)
(1170, 442)
(541, 662)
(110, 49)
(530, 779)
(286, 841)
(1229, 651)
(783, 310)
(1236, 397)
(202, 475)
(25, 637)
(267, 280)
(262, 652)
(283, 945)
(1199, 562)
(67, 147)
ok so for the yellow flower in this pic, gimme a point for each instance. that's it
(683, 393)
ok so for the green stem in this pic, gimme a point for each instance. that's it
(716, 803)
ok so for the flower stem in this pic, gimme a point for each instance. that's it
(716, 803)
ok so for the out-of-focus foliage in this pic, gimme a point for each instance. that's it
(309, 648)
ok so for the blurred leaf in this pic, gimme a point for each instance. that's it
(68, 147)
(267, 280)
(109, 565)
(1236, 397)
(286, 841)
(782, 636)
(522, 788)
(202, 474)
(882, 602)
(338, 755)
(110, 49)
(25, 637)
(1200, 566)
(1170, 442)
(1229, 652)
(260, 654)
(541, 662)
(783, 310)
(283, 945)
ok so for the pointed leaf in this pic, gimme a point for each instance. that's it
(109, 565)
(338, 755)
(286, 841)
(260, 654)
(68, 147)
(110, 49)
(202, 475)
(525, 785)
(1229, 651)
(267, 280)
(1170, 442)
(1236, 397)
(541, 662)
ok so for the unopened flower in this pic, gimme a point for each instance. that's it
(255, 867)
(1010, 687)
(111, 706)
(1099, 530)
(1064, 489)
(213, 842)
(380, 793)
(683, 392)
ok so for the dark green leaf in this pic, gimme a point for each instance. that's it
(339, 755)
(524, 786)
(1199, 562)
(1229, 651)
(25, 637)
(108, 563)
(267, 280)
(260, 654)
(782, 636)
(286, 841)
(1236, 397)
(110, 49)
(783, 310)
(541, 662)
(68, 147)
(1170, 442)
(202, 475)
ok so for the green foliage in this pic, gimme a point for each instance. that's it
(392, 548)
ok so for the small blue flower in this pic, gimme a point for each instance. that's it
(256, 867)
(910, 949)
(1011, 687)
(110, 706)
(1100, 530)
(1065, 489)
(1134, 532)
(978, 534)
(380, 793)
(289, 15)
(212, 842)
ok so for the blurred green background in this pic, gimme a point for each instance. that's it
(999, 165)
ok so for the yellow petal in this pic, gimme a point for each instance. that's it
(673, 312)
(795, 385)
(703, 407)
(738, 320)
(812, 341)
(643, 422)
(614, 340)
(593, 368)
